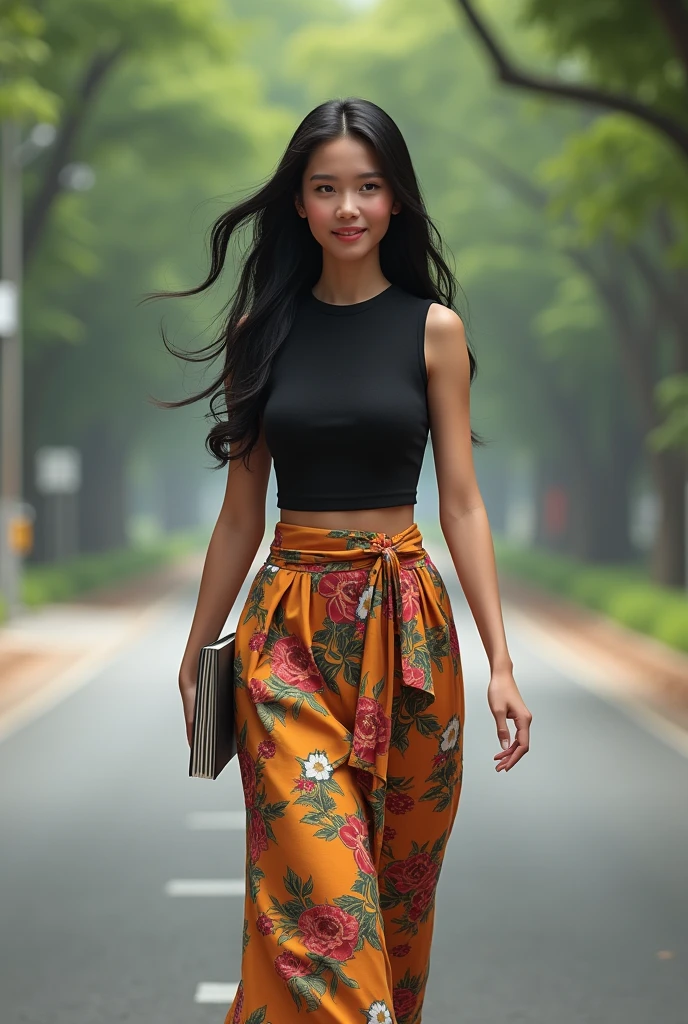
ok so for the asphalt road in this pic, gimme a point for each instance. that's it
(563, 898)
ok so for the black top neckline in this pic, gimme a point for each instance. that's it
(346, 309)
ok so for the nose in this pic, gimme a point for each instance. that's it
(348, 207)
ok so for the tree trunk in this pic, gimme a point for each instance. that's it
(669, 552)
(103, 498)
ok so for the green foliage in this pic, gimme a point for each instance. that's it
(672, 397)
(623, 593)
(621, 44)
(613, 177)
(22, 51)
(180, 119)
(61, 581)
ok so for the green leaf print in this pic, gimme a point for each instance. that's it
(258, 1016)
(438, 845)
(254, 874)
(269, 712)
(239, 671)
(426, 724)
(437, 641)
(295, 885)
(312, 817)
(326, 832)
(272, 811)
(310, 989)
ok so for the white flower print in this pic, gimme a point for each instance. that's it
(450, 736)
(317, 766)
(379, 1014)
(364, 602)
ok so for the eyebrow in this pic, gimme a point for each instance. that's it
(333, 177)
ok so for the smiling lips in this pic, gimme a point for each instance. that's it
(349, 234)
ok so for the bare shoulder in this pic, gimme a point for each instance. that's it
(445, 338)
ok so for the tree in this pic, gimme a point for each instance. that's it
(603, 39)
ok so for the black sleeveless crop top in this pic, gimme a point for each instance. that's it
(345, 414)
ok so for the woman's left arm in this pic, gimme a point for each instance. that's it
(464, 521)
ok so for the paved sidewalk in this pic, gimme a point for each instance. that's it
(650, 671)
(48, 651)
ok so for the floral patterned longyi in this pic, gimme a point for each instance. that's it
(350, 712)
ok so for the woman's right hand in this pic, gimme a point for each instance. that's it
(187, 689)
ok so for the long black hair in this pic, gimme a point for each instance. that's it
(284, 260)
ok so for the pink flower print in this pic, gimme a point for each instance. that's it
(288, 965)
(410, 600)
(399, 803)
(372, 730)
(267, 749)
(248, 776)
(402, 950)
(329, 931)
(293, 663)
(355, 835)
(258, 691)
(256, 641)
(257, 835)
(265, 925)
(343, 591)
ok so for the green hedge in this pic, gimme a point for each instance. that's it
(61, 581)
(622, 592)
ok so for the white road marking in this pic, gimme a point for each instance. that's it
(578, 668)
(205, 887)
(216, 820)
(215, 992)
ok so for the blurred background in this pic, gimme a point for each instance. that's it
(551, 142)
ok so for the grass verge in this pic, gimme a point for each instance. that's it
(623, 593)
(61, 581)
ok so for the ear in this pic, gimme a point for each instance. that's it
(396, 207)
(299, 205)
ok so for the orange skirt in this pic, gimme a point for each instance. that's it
(349, 716)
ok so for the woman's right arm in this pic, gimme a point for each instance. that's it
(235, 540)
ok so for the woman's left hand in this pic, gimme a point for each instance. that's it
(506, 702)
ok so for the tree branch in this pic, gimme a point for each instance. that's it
(37, 216)
(510, 75)
(517, 183)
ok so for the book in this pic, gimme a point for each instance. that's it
(213, 739)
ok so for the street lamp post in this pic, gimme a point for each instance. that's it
(11, 368)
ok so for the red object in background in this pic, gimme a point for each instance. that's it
(556, 510)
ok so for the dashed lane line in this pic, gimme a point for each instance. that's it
(205, 887)
(215, 992)
(216, 821)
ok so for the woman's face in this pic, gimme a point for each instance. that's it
(342, 189)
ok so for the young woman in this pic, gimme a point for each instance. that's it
(340, 350)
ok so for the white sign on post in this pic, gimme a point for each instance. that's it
(58, 469)
(8, 309)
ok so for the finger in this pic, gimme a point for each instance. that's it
(502, 728)
(521, 749)
(505, 753)
(508, 765)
